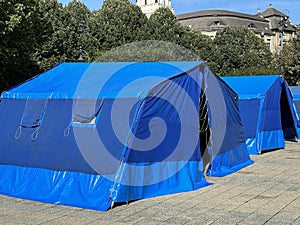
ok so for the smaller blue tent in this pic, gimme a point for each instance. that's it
(296, 100)
(90, 134)
(266, 108)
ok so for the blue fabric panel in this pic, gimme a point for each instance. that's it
(271, 116)
(230, 162)
(231, 153)
(269, 140)
(289, 118)
(91, 191)
(252, 147)
(297, 111)
(297, 106)
(249, 109)
(157, 106)
(99, 80)
(296, 99)
(63, 154)
(295, 91)
(234, 134)
(65, 188)
(189, 178)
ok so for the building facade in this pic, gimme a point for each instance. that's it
(150, 6)
(271, 25)
(281, 27)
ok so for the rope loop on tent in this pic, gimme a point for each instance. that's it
(35, 134)
(203, 111)
(203, 107)
(210, 145)
(114, 191)
(204, 126)
(113, 195)
(18, 132)
(67, 131)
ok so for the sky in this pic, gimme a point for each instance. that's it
(289, 7)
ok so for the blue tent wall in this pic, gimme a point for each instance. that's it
(289, 118)
(41, 145)
(233, 153)
(263, 111)
(295, 90)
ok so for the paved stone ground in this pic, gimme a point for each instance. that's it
(267, 192)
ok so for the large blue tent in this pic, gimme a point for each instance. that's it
(90, 134)
(266, 108)
(296, 100)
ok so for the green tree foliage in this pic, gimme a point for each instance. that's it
(163, 39)
(289, 61)
(64, 32)
(238, 51)
(50, 49)
(75, 19)
(148, 51)
(201, 45)
(162, 25)
(19, 23)
(117, 23)
(93, 35)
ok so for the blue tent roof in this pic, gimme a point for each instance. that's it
(99, 80)
(251, 86)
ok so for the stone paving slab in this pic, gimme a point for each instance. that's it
(267, 192)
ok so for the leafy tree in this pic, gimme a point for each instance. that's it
(201, 45)
(164, 39)
(149, 50)
(50, 48)
(92, 33)
(75, 19)
(289, 62)
(239, 50)
(117, 23)
(19, 21)
(163, 25)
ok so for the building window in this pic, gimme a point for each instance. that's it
(217, 23)
(269, 43)
(252, 26)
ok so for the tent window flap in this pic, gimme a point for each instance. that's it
(34, 112)
(85, 111)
